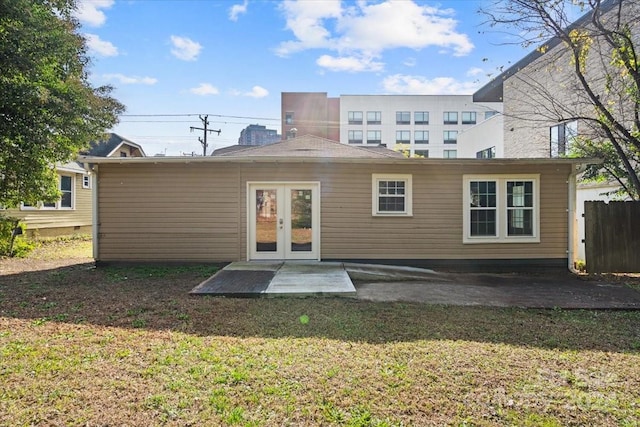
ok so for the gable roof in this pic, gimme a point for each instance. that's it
(110, 146)
(315, 147)
(493, 91)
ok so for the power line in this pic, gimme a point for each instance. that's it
(205, 123)
(199, 115)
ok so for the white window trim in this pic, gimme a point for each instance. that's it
(501, 209)
(86, 185)
(57, 207)
(408, 196)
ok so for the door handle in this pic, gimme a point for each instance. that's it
(281, 221)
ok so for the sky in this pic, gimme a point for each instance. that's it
(172, 61)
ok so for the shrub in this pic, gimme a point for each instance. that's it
(21, 246)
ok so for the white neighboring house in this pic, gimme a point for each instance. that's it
(422, 125)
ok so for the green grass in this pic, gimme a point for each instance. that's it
(129, 346)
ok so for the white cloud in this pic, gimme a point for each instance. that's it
(350, 64)
(475, 71)
(129, 80)
(184, 48)
(368, 29)
(306, 20)
(256, 92)
(238, 9)
(205, 89)
(89, 13)
(99, 46)
(410, 62)
(418, 85)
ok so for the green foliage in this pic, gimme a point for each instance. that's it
(48, 109)
(21, 246)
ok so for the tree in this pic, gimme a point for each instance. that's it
(593, 76)
(48, 109)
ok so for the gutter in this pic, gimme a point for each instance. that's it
(572, 236)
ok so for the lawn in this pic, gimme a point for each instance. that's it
(129, 346)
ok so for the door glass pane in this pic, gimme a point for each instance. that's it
(266, 221)
(301, 230)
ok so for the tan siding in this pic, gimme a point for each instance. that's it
(168, 212)
(198, 211)
(50, 222)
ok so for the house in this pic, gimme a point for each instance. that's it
(72, 214)
(313, 198)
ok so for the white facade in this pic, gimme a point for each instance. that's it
(484, 138)
(422, 125)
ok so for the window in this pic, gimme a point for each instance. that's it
(374, 137)
(86, 181)
(489, 114)
(450, 154)
(450, 118)
(489, 153)
(403, 117)
(123, 154)
(66, 198)
(288, 118)
(561, 138)
(391, 195)
(501, 209)
(403, 137)
(421, 117)
(355, 137)
(421, 153)
(354, 117)
(468, 117)
(374, 117)
(421, 136)
(450, 136)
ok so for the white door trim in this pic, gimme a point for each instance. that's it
(284, 238)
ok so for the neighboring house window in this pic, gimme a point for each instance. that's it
(403, 137)
(450, 154)
(86, 181)
(403, 117)
(450, 118)
(561, 138)
(355, 117)
(123, 154)
(66, 198)
(468, 117)
(374, 137)
(374, 117)
(391, 195)
(489, 114)
(421, 153)
(421, 118)
(288, 118)
(501, 209)
(421, 136)
(355, 137)
(450, 136)
(489, 153)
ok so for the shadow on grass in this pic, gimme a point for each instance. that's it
(156, 298)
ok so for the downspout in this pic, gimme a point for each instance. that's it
(572, 236)
(92, 170)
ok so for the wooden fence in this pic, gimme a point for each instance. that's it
(612, 237)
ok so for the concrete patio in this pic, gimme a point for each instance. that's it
(290, 278)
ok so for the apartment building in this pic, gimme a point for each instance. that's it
(258, 135)
(418, 125)
(310, 113)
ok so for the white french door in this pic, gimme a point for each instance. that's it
(284, 221)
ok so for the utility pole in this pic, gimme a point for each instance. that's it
(203, 141)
